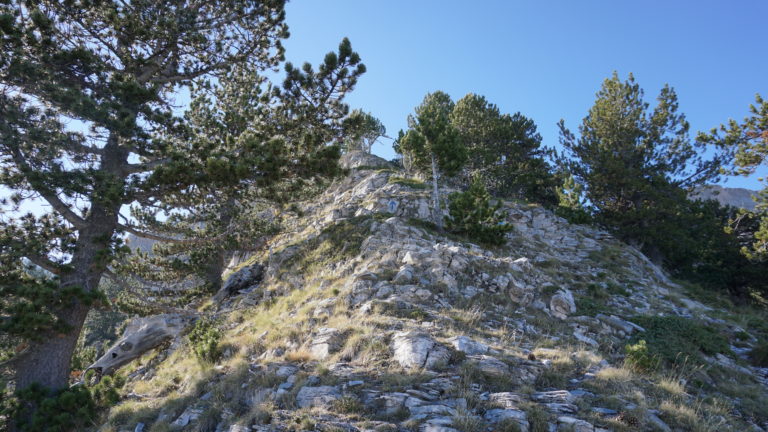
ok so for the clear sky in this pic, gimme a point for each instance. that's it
(545, 59)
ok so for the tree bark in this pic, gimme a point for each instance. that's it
(436, 196)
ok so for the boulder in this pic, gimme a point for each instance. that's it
(327, 341)
(562, 304)
(490, 365)
(413, 349)
(507, 400)
(190, 415)
(243, 279)
(321, 396)
(468, 346)
(494, 416)
(357, 159)
(572, 424)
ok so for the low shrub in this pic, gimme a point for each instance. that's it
(204, 338)
(472, 214)
(639, 357)
(37, 408)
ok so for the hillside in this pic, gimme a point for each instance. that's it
(736, 197)
(362, 317)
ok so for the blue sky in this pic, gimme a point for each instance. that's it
(545, 59)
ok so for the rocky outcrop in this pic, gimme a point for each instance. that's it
(413, 349)
(322, 396)
(327, 341)
(359, 159)
(364, 318)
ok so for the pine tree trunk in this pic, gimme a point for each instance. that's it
(436, 196)
(47, 361)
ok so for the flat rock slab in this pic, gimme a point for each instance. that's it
(322, 396)
(416, 350)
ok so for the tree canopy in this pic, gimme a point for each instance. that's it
(747, 142)
(88, 125)
(288, 127)
(636, 164)
(505, 152)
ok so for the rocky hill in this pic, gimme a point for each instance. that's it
(364, 318)
(736, 197)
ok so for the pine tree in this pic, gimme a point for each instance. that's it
(111, 69)
(746, 143)
(432, 144)
(505, 151)
(361, 131)
(636, 164)
(472, 214)
(205, 227)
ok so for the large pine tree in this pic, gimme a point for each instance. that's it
(88, 126)
(637, 164)
(288, 128)
(505, 152)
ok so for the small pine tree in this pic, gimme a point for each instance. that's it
(432, 144)
(571, 204)
(472, 214)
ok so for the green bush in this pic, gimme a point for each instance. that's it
(472, 214)
(673, 340)
(204, 338)
(639, 357)
(37, 409)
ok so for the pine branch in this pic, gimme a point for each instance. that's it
(45, 264)
(47, 194)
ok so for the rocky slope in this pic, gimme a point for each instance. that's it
(364, 318)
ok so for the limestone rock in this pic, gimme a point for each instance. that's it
(356, 159)
(414, 349)
(494, 416)
(573, 424)
(508, 400)
(562, 304)
(468, 346)
(190, 415)
(321, 396)
(327, 341)
(243, 279)
(490, 365)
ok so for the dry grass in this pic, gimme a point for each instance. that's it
(299, 356)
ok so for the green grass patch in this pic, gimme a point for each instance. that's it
(674, 340)
(412, 183)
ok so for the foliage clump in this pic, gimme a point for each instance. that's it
(472, 214)
(204, 338)
(639, 357)
(36, 408)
